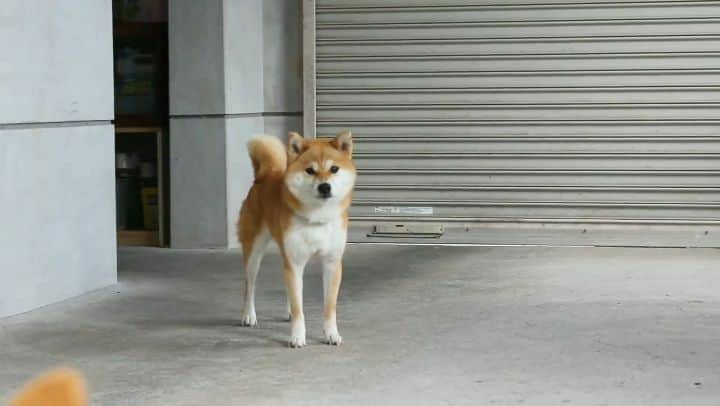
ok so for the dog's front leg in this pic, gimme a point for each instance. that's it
(293, 274)
(332, 276)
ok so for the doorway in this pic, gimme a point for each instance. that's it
(140, 45)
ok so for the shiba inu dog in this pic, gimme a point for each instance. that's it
(300, 199)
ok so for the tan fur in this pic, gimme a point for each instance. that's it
(271, 206)
(333, 290)
(63, 387)
(295, 301)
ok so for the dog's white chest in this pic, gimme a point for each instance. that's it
(304, 240)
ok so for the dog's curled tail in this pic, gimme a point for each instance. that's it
(268, 155)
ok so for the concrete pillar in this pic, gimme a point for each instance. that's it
(282, 66)
(232, 76)
(57, 182)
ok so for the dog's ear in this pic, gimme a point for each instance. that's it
(343, 142)
(296, 145)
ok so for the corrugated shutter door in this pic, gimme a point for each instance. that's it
(526, 122)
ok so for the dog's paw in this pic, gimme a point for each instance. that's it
(297, 334)
(296, 341)
(248, 320)
(333, 338)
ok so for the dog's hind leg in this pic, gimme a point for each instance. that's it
(253, 252)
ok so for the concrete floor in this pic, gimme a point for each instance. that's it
(422, 325)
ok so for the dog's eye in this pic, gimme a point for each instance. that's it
(310, 171)
(334, 169)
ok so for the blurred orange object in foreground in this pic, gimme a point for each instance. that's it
(62, 387)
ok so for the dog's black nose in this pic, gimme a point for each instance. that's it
(324, 189)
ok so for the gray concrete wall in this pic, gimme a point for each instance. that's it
(282, 66)
(57, 193)
(252, 50)
(197, 83)
(55, 61)
(243, 52)
(282, 55)
(198, 177)
(238, 168)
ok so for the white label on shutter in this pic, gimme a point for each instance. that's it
(412, 211)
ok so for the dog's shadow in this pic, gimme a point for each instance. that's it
(226, 332)
(362, 275)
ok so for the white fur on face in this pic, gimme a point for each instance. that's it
(302, 186)
(342, 183)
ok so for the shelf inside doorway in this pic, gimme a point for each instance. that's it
(141, 213)
(138, 238)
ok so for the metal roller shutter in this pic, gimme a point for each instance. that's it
(523, 122)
